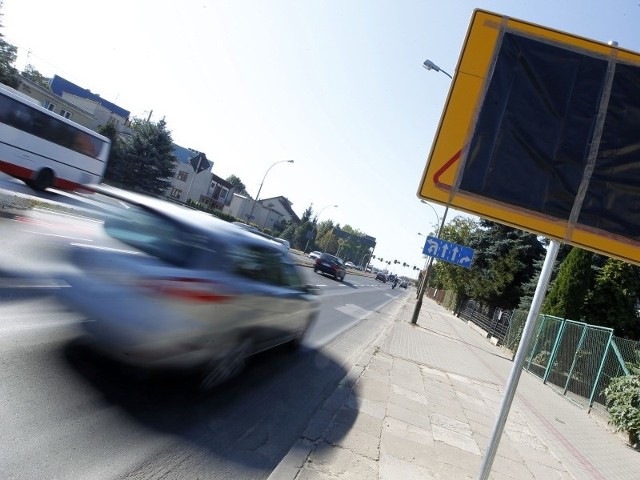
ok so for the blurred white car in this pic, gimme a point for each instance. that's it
(182, 289)
(315, 254)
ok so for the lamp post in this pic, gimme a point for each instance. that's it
(429, 65)
(426, 260)
(262, 183)
(434, 210)
(314, 223)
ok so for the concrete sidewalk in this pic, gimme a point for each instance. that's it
(421, 404)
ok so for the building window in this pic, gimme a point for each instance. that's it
(49, 106)
(65, 114)
(223, 193)
(182, 176)
(175, 193)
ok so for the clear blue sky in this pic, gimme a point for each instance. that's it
(335, 85)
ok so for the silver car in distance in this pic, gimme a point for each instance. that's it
(178, 288)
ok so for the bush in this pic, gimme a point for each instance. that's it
(622, 397)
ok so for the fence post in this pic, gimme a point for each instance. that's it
(604, 358)
(575, 358)
(535, 345)
(554, 351)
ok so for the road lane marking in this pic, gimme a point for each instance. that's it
(32, 283)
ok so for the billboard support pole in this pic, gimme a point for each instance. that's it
(518, 361)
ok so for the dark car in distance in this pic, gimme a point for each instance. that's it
(330, 265)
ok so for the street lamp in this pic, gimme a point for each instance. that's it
(314, 224)
(426, 260)
(434, 210)
(262, 183)
(429, 65)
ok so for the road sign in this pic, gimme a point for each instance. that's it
(448, 251)
(540, 132)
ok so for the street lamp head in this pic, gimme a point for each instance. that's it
(289, 161)
(429, 65)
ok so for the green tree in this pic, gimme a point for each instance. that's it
(504, 261)
(8, 54)
(451, 277)
(115, 153)
(236, 182)
(571, 286)
(147, 161)
(325, 240)
(30, 73)
(612, 300)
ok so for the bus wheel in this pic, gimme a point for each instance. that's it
(43, 180)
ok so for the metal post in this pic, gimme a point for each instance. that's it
(575, 357)
(518, 361)
(535, 345)
(604, 358)
(554, 351)
(262, 183)
(425, 278)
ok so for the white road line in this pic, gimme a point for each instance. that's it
(31, 283)
(59, 236)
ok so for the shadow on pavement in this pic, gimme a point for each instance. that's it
(251, 420)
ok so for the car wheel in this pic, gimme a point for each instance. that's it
(44, 179)
(231, 364)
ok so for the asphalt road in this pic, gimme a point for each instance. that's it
(67, 413)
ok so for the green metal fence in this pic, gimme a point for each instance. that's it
(575, 358)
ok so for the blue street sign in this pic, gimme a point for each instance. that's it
(449, 252)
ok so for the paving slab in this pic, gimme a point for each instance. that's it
(423, 405)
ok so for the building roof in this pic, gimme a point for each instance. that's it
(286, 203)
(60, 85)
(221, 181)
(189, 156)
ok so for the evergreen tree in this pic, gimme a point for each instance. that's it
(115, 153)
(612, 301)
(147, 161)
(569, 290)
(30, 73)
(504, 261)
(8, 54)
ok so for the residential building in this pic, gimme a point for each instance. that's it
(219, 195)
(267, 213)
(102, 111)
(77, 104)
(192, 176)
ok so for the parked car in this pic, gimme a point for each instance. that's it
(403, 284)
(315, 254)
(350, 265)
(331, 265)
(178, 288)
(382, 277)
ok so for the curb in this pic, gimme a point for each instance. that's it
(294, 460)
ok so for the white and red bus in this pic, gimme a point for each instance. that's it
(45, 149)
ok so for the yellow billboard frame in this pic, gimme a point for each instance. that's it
(438, 182)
